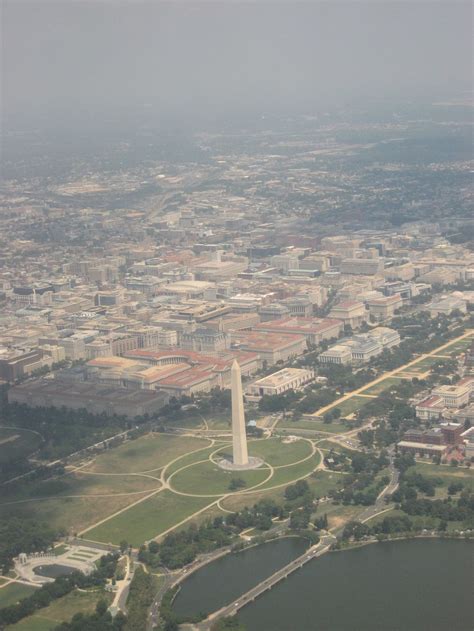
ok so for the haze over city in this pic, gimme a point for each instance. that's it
(201, 60)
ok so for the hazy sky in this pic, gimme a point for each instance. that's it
(182, 57)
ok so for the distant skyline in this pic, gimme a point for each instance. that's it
(189, 59)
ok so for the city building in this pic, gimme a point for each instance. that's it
(368, 267)
(315, 330)
(270, 347)
(280, 382)
(351, 312)
(384, 307)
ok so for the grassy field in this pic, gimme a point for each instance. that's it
(277, 453)
(446, 473)
(219, 422)
(78, 483)
(61, 610)
(336, 427)
(94, 497)
(419, 521)
(383, 385)
(207, 515)
(458, 347)
(148, 519)
(321, 482)
(424, 364)
(349, 406)
(239, 501)
(338, 515)
(17, 443)
(145, 454)
(291, 473)
(198, 456)
(72, 514)
(13, 592)
(189, 421)
(207, 478)
(33, 623)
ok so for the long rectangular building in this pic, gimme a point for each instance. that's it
(315, 330)
(95, 398)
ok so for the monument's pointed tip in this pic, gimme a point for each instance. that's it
(235, 364)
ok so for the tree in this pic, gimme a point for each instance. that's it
(123, 546)
(237, 483)
(229, 623)
(153, 547)
(455, 487)
(299, 519)
(101, 607)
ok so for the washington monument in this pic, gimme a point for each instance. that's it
(240, 460)
(239, 437)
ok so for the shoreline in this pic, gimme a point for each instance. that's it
(361, 544)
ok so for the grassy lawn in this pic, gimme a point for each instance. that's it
(291, 473)
(62, 610)
(34, 623)
(277, 453)
(189, 421)
(383, 385)
(79, 483)
(448, 474)
(424, 364)
(207, 515)
(148, 519)
(349, 406)
(321, 482)
(207, 478)
(198, 456)
(74, 514)
(219, 422)
(60, 549)
(12, 593)
(457, 347)
(420, 521)
(338, 515)
(336, 427)
(146, 453)
(17, 443)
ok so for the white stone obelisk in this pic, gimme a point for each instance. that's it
(239, 437)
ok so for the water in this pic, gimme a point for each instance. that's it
(224, 580)
(53, 571)
(415, 585)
